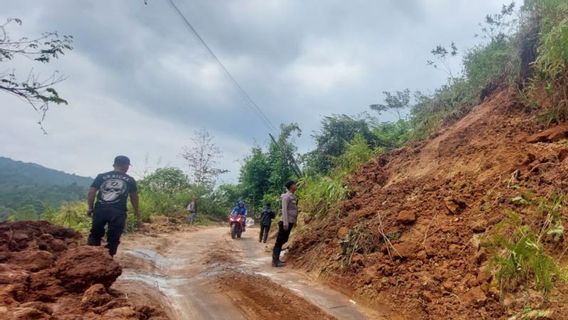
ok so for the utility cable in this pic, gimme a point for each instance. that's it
(253, 105)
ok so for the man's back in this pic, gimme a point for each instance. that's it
(113, 188)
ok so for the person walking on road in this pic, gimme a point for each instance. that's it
(289, 216)
(111, 191)
(265, 222)
(192, 211)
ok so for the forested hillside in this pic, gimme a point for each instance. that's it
(29, 188)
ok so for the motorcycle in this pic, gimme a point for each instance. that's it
(236, 222)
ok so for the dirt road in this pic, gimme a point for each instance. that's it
(204, 274)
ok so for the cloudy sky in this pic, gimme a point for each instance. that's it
(139, 83)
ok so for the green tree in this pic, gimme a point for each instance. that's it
(255, 177)
(335, 133)
(397, 101)
(165, 191)
(168, 180)
(281, 155)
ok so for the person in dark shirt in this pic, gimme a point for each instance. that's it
(111, 191)
(265, 222)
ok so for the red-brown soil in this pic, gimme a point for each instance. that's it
(259, 298)
(418, 217)
(46, 274)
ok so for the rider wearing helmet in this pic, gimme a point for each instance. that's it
(241, 209)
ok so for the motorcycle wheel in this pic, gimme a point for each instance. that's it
(233, 231)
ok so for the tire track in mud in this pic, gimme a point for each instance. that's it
(206, 275)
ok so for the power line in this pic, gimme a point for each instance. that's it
(253, 105)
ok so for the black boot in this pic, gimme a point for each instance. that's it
(278, 264)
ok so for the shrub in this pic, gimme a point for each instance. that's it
(551, 77)
(71, 215)
(519, 255)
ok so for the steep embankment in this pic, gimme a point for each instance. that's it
(414, 234)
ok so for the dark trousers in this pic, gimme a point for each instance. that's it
(264, 229)
(115, 219)
(281, 239)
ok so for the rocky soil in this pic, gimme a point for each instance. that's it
(46, 274)
(415, 230)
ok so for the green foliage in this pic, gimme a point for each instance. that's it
(321, 195)
(357, 152)
(547, 89)
(331, 141)
(165, 191)
(400, 100)
(281, 159)
(71, 215)
(485, 67)
(490, 65)
(255, 177)
(393, 135)
(27, 189)
(519, 255)
(44, 48)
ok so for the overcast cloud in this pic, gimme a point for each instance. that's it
(139, 83)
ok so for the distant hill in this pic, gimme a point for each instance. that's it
(29, 187)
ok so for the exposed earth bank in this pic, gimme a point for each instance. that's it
(417, 230)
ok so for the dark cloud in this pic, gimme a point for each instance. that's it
(298, 59)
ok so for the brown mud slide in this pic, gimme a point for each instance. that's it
(417, 229)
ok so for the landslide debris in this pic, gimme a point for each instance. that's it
(414, 232)
(46, 274)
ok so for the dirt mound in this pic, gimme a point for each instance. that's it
(412, 233)
(80, 268)
(46, 274)
(259, 298)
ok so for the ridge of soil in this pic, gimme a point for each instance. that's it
(259, 298)
(412, 233)
(46, 274)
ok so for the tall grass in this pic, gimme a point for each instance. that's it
(551, 65)
(320, 195)
(519, 252)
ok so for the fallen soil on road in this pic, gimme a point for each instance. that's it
(46, 274)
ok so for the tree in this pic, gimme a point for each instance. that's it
(202, 157)
(396, 101)
(255, 176)
(39, 93)
(336, 132)
(440, 56)
(167, 180)
(280, 157)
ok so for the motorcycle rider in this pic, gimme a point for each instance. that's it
(241, 209)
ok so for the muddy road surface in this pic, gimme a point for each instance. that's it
(204, 274)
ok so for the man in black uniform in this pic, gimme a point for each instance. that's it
(265, 222)
(111, 190)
